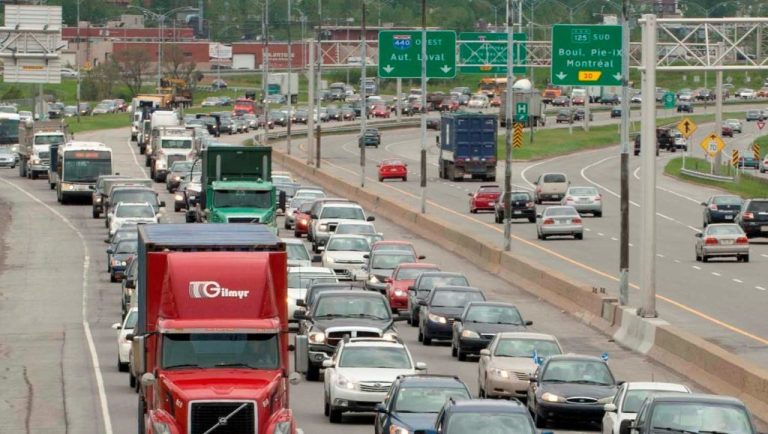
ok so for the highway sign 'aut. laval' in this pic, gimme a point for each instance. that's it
(400, 54)
(588, 55)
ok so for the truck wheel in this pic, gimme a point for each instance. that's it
(176, 208)
(95, 214)
(22, 173)
(122, 367)
(313, 373)
(52, 185)
(491, 178)
(131, 381)
(141, 411)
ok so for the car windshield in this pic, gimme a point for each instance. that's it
(355, 229)
(494, 315)
(280, 179)
(181, 166)
(242, 199)
(447, 298)
(526, 348)
(131, 319)
(302, 280)
(127, 246)
(348, 244)
(350, 306)
(583, 191)
(554, 177)
(134, 196)
(700, 417)
(483, 422)
(429, 282)
(724, 230)
(297, 252)
(220, 350)
(126, 232)
(577, 371)
(426, 399)
(348, 213)
(757, 206)
(135, 211)
(394, 246)
(309, 194)
(375, 357)
(633, 400)
(411, 273)
(559, 211)
(389, 261)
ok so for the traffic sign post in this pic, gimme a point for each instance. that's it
(669, 100)
(712, 145)
(400, 54)
(486, 53)
(521, 112)
(735, 158)
(517, 140)
(756, 151)
(587, 55)
(686, 127)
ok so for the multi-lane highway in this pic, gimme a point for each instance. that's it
(58, 352)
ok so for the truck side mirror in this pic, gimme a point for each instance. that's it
(138, 353)
(301, 354)
(370, 218)
(162, 204)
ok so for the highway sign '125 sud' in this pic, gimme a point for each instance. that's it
(586, 55)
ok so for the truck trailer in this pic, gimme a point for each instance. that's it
(467, 146)
(210, 347)
(278, 83)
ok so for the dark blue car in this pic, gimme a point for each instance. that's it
(119, 257)
(482, 416)
(441, 308)
(415, 400)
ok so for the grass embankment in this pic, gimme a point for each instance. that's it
(100, 122)
(746, 186)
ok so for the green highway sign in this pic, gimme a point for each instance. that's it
(521, 112)
(400, 54)
(479, 54)
(669, 100)
(586, 55)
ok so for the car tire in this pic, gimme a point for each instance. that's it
(296, 234)
(704, 258)
(381, 179)
(334, 415)
(473, 211)
(112, 278)
(578, 236)
(462, 356)
(122, 367)
(313, 373)
(745, 258)
(405, 179)
(539, 421)
(95, 214)
(131, 381)
(532, 220)
(286, 225)
(326, 406)
(454, 353)
(598, 214)
(414, 321)
(420, 336)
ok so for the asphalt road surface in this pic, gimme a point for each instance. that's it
(58, 352)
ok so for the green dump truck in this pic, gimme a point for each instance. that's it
(236, 186)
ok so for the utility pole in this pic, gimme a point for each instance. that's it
(265, 66)
(290, 91)
(718, 160)
(200, 4)
(77, 61)
(311, 104)
(508, 139)
(319, 78)
(624, 197)
(648, 168)
(161, 18)
(363, 103)
(424, 106)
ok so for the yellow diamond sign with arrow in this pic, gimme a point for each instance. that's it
(686, 127)
(712, 145)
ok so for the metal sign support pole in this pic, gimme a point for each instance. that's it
(508, 139)
(624, 199)
(424, 106)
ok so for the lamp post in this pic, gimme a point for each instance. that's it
(161, 19)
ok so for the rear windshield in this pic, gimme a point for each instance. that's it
(521, 196)
(724, 230)
(727, 200)
(430, 282)
(583, 191)
(411, 273)
(455, 298)
(761, 206)
(560, 211)
(555, 177)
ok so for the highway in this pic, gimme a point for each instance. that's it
(58, 352)
(720, 301)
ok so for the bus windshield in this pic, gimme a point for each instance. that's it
(85, 166)
(9, 131)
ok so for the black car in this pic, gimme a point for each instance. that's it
(212, 123)
(118, 257)
(480, 322)
(337, 314)
(571, 388)
(579, 113)
(348, 114)
(753, 218)
(99, 194)
(334, 113)
(300, 116)
(177, 172)
(415, 401)
(441, 308)
(616, 112)
(523, 207)
(278, 117)
(227, 125)
(433, 124)
(721, 209)
(482, 416)
(693, 413)
(564, 116)
(424, 285)
(685, 107)
(55, 110)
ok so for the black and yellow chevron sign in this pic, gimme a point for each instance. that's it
(756, 150)
(517, 137)
(735, 158)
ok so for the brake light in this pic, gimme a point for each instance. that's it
(599, 197)
(568, 198)
(710, 241)
(747, 216)
(713, 207)
(548, 222)
(538, 189)
(576, 220)
(742, 240)
(529, 205)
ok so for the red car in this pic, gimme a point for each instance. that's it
(404, 276)
(380, 111)
(496, 101)
(449, 105)
(301, 220)
(727, 131)
(484, 198)
(392, 168)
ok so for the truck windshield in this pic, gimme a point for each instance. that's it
(220, 350)
(135, 196)
(76, 170)
(176, 144)
(242, 199)
(9, 131)
(49, 139)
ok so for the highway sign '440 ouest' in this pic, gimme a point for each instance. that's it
(400, 54)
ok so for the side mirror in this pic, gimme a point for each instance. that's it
(529, 323)
(469, 194)
(301, 303)
(148, 379)
(91, 187)
(380, 408)
(538, 215)
(116, 326)
(411, 288)
(162, 204)
(366, 256)
(422, 257)
(698, 235)
(421, 366)
(299, 314)
(532, 378)
(370, 218)
(610, 407)
(110, 251)
(313, 216)
(485, 352)
(301, 354)
(378, 165)
(327, 363)
(317, 258)
(422, 302)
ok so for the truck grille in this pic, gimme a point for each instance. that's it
(230, 420)
(375, 387)
(335, 336)
(243, 220)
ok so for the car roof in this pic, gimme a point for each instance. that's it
(697, 397)
(392, 252)
(355, 222)
(392, 242)
(650, 385)
(356, 236)
(489, 303)
(373, 342)
(311, 270)
(431, 380)
(292, 241)
(133, 204)
(418, 265)
(484, 405)
(582, 357)
(345, 293)
(456, 288)
(442, 274)
(526, 335)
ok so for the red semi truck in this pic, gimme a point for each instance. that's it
(211, 344)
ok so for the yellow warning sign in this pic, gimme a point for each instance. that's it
(735, 158)
(590, 75)
(756, 151)
(712, 145)
(686, 127)
(517, 137)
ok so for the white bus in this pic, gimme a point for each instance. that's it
(79, 166)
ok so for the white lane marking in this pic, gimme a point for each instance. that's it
(677, 261)
(764, 255)
(631, 245)
(716, 274)
(659, 255)
(737, 280)
(760, 288)
(665, 217)
(588, 229)
(696, 267)
(614, 239)
(135, 159)
(600, 233)
(666, 190)
(695, 229)
(84, 309)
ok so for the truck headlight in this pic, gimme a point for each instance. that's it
(437, 318)
(282, 428)
(97, 199)
(178, 197)
(373, 279)
(551, 397)
(317, 337)
(469, 334)
(161, 428)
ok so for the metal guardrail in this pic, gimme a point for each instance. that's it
(702, 175)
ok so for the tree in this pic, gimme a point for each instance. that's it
(101, 79)
(132, 64)
(178, 65)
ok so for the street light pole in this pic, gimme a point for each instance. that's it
(77, 61)
(424, 106)
(290, 91)
(363, 103)
(624, 198)
(508, 139)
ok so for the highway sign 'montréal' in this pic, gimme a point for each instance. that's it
(588, 55)
(400, 54)
(479, 53)
(712, 145)
(686, 127)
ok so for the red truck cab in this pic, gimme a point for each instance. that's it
(404, 276)
(211, 343)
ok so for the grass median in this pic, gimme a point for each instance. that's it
(100, 122)
(746, 186)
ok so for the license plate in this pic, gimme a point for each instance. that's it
(517, 212)
(729, 217)
(564, 221)
(726, 242)
(764, 228)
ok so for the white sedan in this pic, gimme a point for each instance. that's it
(126, 212)
(123, 344)
(620, 413)
(345, 255)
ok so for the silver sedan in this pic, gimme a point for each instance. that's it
(722, 240)
(559, 220)
(586, 200)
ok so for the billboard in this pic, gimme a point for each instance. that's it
(30, 51)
